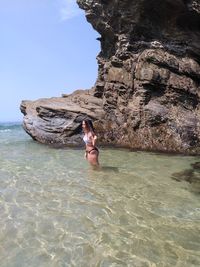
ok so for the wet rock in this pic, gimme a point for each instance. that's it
(191, 176)
(196, 166)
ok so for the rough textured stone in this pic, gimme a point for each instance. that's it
(148, 81)
(58, 120)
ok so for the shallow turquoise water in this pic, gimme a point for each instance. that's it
(57, 211)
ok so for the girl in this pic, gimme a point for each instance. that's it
(90, 138)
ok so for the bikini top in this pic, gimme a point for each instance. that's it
(87, 140)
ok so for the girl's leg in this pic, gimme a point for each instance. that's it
(93, 158)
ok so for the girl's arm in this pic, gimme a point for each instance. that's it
(94, 139)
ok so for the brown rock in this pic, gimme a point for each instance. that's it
(58, 120)
(147, 93)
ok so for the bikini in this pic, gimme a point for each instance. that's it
(89, 143)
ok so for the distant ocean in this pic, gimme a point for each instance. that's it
(57, 211)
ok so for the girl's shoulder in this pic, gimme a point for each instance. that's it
(91, 134)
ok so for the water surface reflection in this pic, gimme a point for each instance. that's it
(57, 211)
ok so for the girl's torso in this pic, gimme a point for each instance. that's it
(87, 138)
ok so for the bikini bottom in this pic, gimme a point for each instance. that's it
(93, 149)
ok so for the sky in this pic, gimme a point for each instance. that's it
(47, 48)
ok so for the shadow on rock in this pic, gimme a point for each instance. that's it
(191, 176)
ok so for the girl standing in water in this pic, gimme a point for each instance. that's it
(90, 138)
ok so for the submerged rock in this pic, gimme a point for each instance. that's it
(147, 93)
(191, 176)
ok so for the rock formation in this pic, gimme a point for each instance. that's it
(57, 121)
(148, 87)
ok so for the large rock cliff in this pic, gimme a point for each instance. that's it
(148, 86)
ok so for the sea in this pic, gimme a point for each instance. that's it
(139, 209)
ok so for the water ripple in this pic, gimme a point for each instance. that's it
(56, 211)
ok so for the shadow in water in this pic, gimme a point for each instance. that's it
(105, 169)
(191, 176)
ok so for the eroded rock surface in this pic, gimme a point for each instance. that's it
(58, 120)
(148, 84)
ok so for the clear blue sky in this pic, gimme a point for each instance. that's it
(47, 48)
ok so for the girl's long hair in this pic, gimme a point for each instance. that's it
(89, 125)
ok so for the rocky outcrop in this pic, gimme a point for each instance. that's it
(57, 121)
(148, 84)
